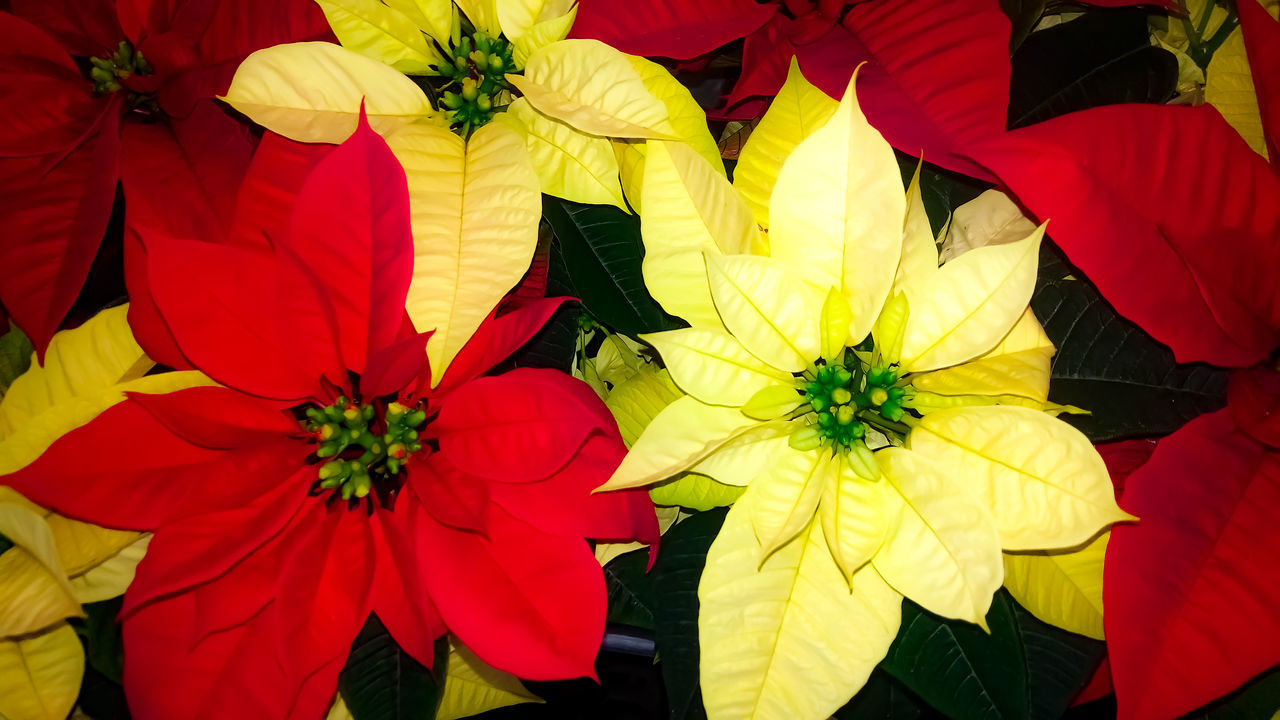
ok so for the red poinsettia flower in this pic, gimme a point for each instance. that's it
(325, 479)
(96, 91)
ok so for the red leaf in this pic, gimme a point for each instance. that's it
(85, 27)
(499, 336)
(1254, 398)
(1122, 458)
(325, 591)
(526, 602)
(219, 418)
(182, 176)
(350, 225)
(126, 470)
(149, 329)
(197, 549)
(400, 598)
(1190, 590)
(1262, 45)
(679, 30)
(451, 496)
(1098, 687)
(394, 368)
(1183, 243)
(766, 58)
(929, 87)
(240, 593)
(52, 220)
(520, 426)
(270, 189)
(254, 322)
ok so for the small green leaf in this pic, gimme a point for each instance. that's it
(1110, 367)
(957, 668)
(602, 250)
(15, 357)
(382, 682)
(676, 574)
(630, 588)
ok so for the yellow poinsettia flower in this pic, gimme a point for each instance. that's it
(52, 563)
(887, 414)
(530, 112)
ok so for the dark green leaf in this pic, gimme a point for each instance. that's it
(884, 698)
(631, 591)
(5, 544)
(382, 682)
(1059, 664)
(676, 574)
(554, 346)
(942, 190)
(602, 251)
(101, 698)
(1109, 366)
(1023, 16)
(1259, 699)
(1102, 58)
(100, 632)
(957, 668)
(15, 356)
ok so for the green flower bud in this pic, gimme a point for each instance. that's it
(841, 396)
(805, 438)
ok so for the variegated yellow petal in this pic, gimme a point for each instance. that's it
(684, 432)
(32, 596)
(112, 576)
(989, 219)
(475, 214)
(798, 110)
(542, 34)
(787, 497)
(311, 92)
(852, 517)
(40, 674)
(919, 260)
(570, 164)
(471, 686)
(594, 88)
(837, 210)
(972, 302)
(713, 366)
(741, 460)
(692, 210)
(381, 33)
(789, 639)
(1061, 587)
(942, 549)
(1040, 478)
(769, 307)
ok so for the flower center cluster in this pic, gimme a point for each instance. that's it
(110, 74)
(845, 396)
(475, 71)
(366, 446)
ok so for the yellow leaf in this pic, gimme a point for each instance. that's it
(713, 366)
(542, 34)
(769, 307)
(32, 596)
(798, 110)
(1040, 478)
(637, 401)
(834, 323)
(483, 14)
(112, 576)
(837, 212)
(1027, 334)
(81, 546)
(1061, 587)
(338, 710)
(475, 214)
(695, 491)
(787, 499)
(471, 686)
(787, 639)
(852, 517)
(682, 434)
(941, 550)
(382, 33)
(692, 210)
(1229, 88)
(972, 302)
(311, 92)
(989, 219)
(594, 88)
(919, 262)
(631, 154)
(616, 360)
(742, 459)
(40, 674)
(570, 164)
(433, 17)
(1022, 374)
(688, 121)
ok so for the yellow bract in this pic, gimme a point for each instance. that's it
(1061, 587)
(572, 165)
(380, 32)
(40, 674)
(1229, 88)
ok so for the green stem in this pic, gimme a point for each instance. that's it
(882, 423)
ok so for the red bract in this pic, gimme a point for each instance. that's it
(462, 509)
(1190, 589)
(146, 98)
(680, 30)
